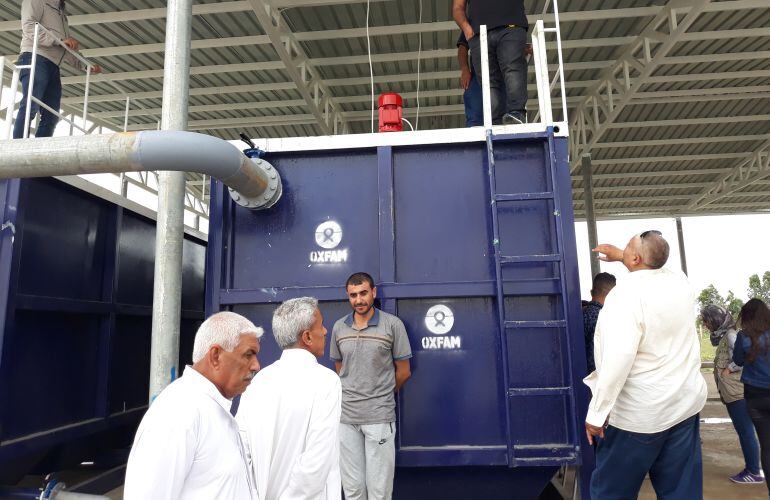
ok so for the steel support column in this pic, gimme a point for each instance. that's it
(680, 238)
(167, 290)
(588, 195)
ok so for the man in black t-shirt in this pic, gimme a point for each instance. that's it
(507, 27)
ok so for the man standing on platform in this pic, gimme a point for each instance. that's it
(51, 15)
(507, 27)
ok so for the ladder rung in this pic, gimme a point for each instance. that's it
(549, 323)
(537, 391)
(513, 259)
(548, 195)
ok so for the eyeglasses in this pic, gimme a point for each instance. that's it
(649, 232)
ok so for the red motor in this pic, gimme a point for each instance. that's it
(390, 105)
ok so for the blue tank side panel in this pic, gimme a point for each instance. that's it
(76, 330)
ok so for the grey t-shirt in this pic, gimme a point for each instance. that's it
(368, 376)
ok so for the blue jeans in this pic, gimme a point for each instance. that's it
(46, 88)
(671, 457)
(739, 414)
(474, 103)
(507, 69)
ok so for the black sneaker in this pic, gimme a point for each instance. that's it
(514, 118)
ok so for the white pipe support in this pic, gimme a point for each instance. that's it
(253, 183)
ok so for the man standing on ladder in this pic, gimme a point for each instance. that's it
(52, 15)
(371, 352)
(507, 27)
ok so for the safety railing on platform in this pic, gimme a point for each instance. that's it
(544, 83)
(195, 204)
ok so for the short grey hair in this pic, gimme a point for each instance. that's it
(223, 329)
(292, 318)
(654, 250)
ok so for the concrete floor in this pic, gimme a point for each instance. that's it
(721, 458)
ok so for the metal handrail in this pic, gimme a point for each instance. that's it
(16, 69)
(544, 83)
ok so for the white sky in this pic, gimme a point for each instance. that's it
(723, 250)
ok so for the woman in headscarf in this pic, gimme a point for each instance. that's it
(728, 378)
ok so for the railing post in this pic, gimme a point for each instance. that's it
(125, 119)
(485, 94)
(12, 103)
(85, 97)
(33, 63)
(541, 73)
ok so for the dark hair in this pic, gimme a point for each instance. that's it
(603, 283)
(754, 320)
(359, 279)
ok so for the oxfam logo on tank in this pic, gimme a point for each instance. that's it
(439, 320)
(328, 235)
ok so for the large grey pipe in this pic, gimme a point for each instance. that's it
(253, 183)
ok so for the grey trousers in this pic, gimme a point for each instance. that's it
(368, 460)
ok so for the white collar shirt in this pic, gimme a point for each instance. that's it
(188, 446)
(289, 419)
(647, 353)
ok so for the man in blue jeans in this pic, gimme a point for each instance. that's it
(647, 388)
(472, 95)
(507, 28)
(52, 15)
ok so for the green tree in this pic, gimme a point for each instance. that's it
(733, 304)
(710, 295)
(759, 288)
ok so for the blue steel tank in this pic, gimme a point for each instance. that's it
(470, 240)
(76, 275)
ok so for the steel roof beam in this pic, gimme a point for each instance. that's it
(744, 174)
(408, 77)
(243, 6)
(671, 159)
(407, 56)
(680, 142)
(402, 29)
(618, 85)
(308, 82)
(198, 10)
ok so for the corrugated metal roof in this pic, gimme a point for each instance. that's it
(702, 114)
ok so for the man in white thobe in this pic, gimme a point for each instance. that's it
(290, 415)
(188, 445)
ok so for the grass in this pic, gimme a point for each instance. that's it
(707, 350)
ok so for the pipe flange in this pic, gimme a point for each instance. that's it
(269, 196)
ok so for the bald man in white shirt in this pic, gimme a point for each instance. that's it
(647, 387)
(188, 445)
(290, 415)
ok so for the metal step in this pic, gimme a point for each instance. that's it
(515, 259)
(548, 323)
(537, 391)
(546, 195)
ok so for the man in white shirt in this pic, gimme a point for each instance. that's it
(188, 445)
(290, 415)
(647, 387)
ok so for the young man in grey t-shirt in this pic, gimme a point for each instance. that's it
(371, 353)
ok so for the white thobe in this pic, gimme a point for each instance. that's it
(289, 419)
(188, 446)
(647, 353)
